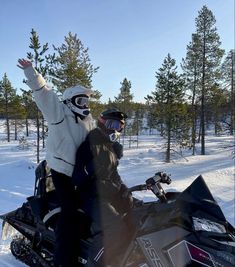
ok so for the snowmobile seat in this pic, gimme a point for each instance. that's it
(43, 180)
(45, 203)
(44, 187)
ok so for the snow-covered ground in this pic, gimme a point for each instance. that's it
(17, 167)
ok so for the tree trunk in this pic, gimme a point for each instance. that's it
(194, 111)
(130, 141)
(203, 101)
(168, 149)
(232, 96)
(38, 136)
(8, 129)
(202, 126)
(194, 128)
(43, 133)
(27, 127)
(15, 123)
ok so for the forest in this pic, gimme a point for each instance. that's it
(188, 98)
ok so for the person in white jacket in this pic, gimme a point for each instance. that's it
(69, 122)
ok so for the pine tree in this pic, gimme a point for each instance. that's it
(38, 57)
(125, 97)
(191, 69)
(169, 97)
(228, 69)
(152, 119)
(17, 112)
(216, 102)
(7, 95)
(123, 102)
(210, 58)
(71, 64)
(29, 106)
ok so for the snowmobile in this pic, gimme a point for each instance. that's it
(177, 229)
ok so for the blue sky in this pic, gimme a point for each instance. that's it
(126, 38)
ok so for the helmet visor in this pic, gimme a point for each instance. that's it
(114, 125)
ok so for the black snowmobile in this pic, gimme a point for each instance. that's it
(179, 229)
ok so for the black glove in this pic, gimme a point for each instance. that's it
(126, 198)
(124, 192)
(164, 177)
(118, 149)
(122, 201)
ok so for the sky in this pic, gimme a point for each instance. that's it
(126, 38)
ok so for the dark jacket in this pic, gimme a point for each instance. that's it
(96, 175)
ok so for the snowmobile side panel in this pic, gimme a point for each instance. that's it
(155, 245)
(185, 253)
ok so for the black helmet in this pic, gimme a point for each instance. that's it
(111, 122)
(113, 113)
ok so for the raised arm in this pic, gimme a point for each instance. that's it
(24, 63)
(34, 80)
(46, 100)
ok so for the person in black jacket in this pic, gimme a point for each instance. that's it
(103, 195)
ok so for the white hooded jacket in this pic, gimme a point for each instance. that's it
(66, 132)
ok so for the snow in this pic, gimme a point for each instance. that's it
(17, 167)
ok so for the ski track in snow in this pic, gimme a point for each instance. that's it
(6, 258)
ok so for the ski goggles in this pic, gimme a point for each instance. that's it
(80, 101)
(114, 125)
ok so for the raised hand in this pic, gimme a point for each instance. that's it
(24, 63)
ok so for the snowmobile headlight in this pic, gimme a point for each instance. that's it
(201, 224)
(7, 231)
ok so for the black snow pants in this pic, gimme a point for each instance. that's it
(110, 233)
(66, 230)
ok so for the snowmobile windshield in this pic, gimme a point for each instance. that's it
(197, 198)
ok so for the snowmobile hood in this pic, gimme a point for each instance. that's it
(7, 215)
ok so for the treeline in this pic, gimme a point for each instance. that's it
(181, 107)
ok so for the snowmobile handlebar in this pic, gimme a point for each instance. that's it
(139, 187)
(154, 184)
